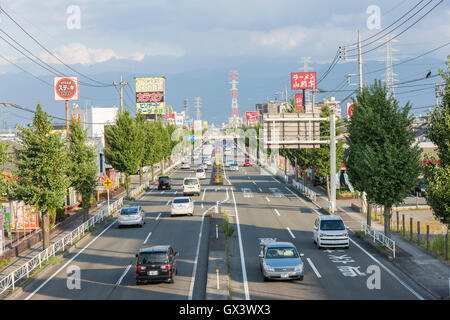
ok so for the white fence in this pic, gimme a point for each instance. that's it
(36, 262)
(380, 237)
(307, 191)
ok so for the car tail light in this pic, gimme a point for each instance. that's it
(168, 266)
(141, 268)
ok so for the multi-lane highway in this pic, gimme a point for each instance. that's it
(260, 207)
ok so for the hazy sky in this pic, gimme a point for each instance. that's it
(172, 36)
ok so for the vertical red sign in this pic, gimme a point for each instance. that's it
(299, 101)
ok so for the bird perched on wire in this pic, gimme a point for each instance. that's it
(428, 74)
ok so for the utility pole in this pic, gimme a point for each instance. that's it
(360, 63)
(333, 162)
(121, 83)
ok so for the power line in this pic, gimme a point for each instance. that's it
(48, 51)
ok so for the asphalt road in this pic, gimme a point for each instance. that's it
(260, 207)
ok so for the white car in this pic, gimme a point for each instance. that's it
(201, 173)
(185, 165)
(130, 216)
(191, 185)
(234, 166)
(330, 231)
(182, 205)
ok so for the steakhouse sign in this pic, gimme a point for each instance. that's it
(66, 88)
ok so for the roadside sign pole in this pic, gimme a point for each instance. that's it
(107, 192)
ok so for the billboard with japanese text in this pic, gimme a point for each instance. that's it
(150, 92)
(303, 80)
(23, 217)
(251, 116)
(66, 88)
(299, 101)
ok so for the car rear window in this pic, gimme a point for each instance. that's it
(332, 225)
(281, 252)
(183, 200)
(190, 182)
(199, 170)
(126, 211)
(152, 257)
(164, 179)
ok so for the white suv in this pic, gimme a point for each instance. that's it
(191, 185)
(330, 231)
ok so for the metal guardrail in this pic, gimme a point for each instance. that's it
(380, 237)
(36, 262)
(307, 191)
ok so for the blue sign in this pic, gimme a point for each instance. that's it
(191, 138)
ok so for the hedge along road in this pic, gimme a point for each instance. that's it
(107, 262)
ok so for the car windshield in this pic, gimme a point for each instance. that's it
(128, 211)
(152, 257)
(332, 225)
(199, 170)
(181, 200)
(281, 252)
(190, 182)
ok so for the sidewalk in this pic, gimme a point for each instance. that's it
(422, 267)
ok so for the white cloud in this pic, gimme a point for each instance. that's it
(74, 53)
(283, 38)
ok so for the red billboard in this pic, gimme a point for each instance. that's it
(303, 80)
(299, 101)
(66, 88)
(350, 106)
(251, 116)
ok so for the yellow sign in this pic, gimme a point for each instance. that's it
(150, 94)
(107, 183)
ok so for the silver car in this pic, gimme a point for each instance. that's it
(280, 260)
(182, 205)
(131, 216)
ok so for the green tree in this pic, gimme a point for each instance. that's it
(83, 168)
(123, 151)
(437, 176)
(4, 158)
(42, 168)
(141, 135)
(383, 159)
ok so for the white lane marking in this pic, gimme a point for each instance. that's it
(276, 192)
(267, 199)
(202, 205)
(158, 216)
(215, 190)
(296, 195)
(145, 241)
(277, 212)
(241, 252)
(68, 262)
(247, 176)
(254, 183)
(176, 192)
(290, 232)
(203, 197)
(389, 271)
(168, 201)
(260, 190)
(314, 268)
(247, 192)
(194, 270)
(162, 192)
(276, 180)
(123, 275)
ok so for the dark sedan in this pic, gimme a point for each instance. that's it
(156, 263)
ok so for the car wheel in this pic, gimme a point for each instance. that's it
(171, 280)
(346, 247)
(265, 279)
(301, 278)
(138, 282)
(119, 226)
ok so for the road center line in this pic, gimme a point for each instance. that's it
(254, 183)
(168, 201)
(290, 232)
(277, 212)
(145, 241)
(158, 216)
(314, 268)
(267, 199)
(241, 252)
(123, 275)
(203, 197)
(260, 190)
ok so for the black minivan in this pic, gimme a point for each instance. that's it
(164, 183)
(156, 263)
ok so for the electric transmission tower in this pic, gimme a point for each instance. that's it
(389, 76)
(198, 107)
(307, 93)
(234, 119)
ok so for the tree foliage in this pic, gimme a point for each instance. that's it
(382, 158)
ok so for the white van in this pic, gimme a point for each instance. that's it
(191, 185)
(200, 173)
(330, 231)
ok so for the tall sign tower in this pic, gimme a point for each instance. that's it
(235, 120)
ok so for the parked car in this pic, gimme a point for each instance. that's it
(330, 231)
(131, 216)
(248, 163)
(185, 165)
(182, 205)
(156, 263)
(201, 173)
(280, 260)
(191, 185)
(164, 183)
